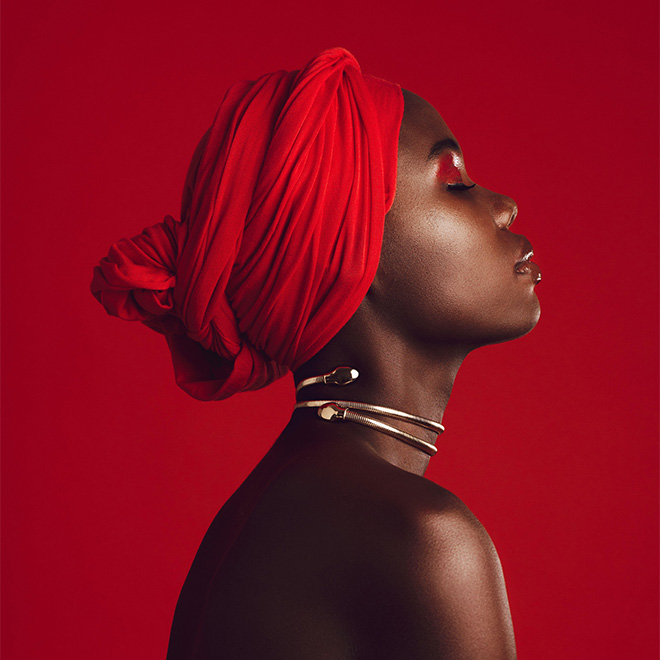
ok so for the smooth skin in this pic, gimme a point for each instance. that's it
(336, 547)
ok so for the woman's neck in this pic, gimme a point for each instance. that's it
(393, 373)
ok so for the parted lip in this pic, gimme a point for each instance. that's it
(526, 251)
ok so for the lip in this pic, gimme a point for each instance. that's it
(524, 265)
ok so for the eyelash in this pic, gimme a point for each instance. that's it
(459, 187)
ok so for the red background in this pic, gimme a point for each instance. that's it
(112, 474)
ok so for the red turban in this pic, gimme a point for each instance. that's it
(280, 233)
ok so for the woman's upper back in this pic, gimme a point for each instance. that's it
(339, 554)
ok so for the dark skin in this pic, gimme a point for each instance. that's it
(336, 546)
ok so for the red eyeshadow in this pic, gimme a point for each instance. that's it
(448, 170)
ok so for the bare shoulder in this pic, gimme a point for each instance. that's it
(453, 550)
(446, 547)
(422, 566)
(391, 514)
(374, 559)
(454, 582)
(445, 527)
(380, 501)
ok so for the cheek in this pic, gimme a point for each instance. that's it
(449, 257)
(450, 278)
(430, 271)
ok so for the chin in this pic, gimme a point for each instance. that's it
(510, 329)
(525, 324)
(530, 326)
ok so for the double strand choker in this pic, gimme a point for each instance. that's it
(352, 411)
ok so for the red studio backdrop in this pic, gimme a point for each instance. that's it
(111, 474)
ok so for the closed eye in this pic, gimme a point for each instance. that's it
(458, 187)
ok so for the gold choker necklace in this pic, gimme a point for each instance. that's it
(345, 411)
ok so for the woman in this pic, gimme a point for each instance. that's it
(335, 546)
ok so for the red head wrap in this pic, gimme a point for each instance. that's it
(280, 233)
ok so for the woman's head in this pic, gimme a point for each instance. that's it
(452, 275)
(281, 230)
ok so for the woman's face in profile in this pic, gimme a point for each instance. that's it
(450, 267)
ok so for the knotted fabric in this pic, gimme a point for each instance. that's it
(280, 232)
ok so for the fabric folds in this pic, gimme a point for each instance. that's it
(280, 233)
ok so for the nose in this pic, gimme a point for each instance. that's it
(505, 211)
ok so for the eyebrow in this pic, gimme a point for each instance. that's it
(441, 145)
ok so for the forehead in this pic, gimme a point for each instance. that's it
(421, 127)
